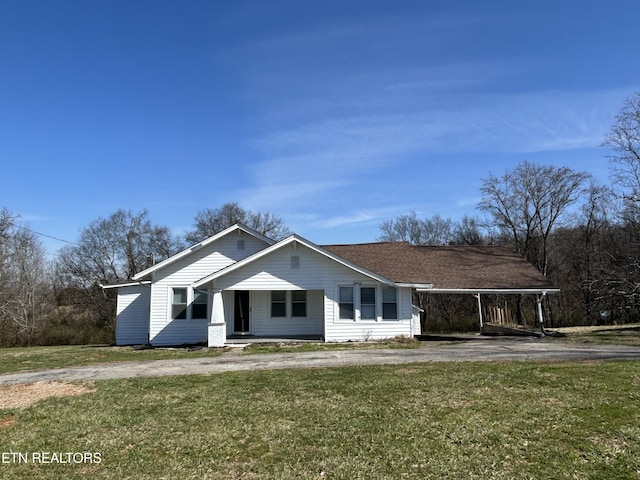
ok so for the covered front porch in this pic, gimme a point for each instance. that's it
(261, 316)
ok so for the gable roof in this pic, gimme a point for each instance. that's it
(288, 241)
(188, 251)
(453, 268)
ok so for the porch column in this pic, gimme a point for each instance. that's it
(540, 316)
(217, 327)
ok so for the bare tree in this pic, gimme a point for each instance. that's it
(405, 228)
(111, 250)
(528, 202)
(583, 256)
(208, 222)
(25, 286)
(116, 248)
(435, 230)
(624, 139)
(469, 231)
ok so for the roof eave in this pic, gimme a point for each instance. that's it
(128, 284)
(493, 291)
(417, 286)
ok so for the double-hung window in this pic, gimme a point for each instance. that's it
(346, 303)
(286, 304)
(179, 304)
(299, 303)
(199, 305)
(368, 303)
(389, 303)
(189, 304)
(279, 303)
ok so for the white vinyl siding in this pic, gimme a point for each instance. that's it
(132, 315)
(182, 273)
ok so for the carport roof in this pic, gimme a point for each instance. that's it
(472, 268)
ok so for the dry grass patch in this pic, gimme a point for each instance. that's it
(628, 334)
(7, 422)
(21, 396)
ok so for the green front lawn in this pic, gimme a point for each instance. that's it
(518, 420)
(38, 358)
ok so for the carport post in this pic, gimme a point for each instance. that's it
(480, 310)
(540, 316)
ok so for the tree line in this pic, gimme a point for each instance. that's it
(578, 231)
(62, 301)
(582, 233)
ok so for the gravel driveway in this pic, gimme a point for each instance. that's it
(486, 349)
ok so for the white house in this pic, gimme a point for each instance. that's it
(239, 282)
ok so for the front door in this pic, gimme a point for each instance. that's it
(241, 312)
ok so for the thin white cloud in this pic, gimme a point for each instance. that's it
(355, 218)
(305, 162)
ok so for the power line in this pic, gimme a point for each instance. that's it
(43, 234)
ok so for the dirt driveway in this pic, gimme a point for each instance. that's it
(486, 349)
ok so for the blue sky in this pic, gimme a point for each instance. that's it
(335, 115)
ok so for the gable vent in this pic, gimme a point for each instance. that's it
(240, 244)
(295, 261)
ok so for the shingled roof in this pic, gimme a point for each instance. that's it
(446, 267)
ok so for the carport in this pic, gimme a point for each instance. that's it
(490, 328)
(478, 270)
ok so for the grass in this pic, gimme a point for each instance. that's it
(38, 358)
(290, 347)
(518, 420)
(611, 334)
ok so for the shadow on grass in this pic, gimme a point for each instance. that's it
(635, 328)
(185, 348)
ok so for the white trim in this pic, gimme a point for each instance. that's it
(417, 286)
(293, 239)
(129, 284)
(492, 291)
(198, 246)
